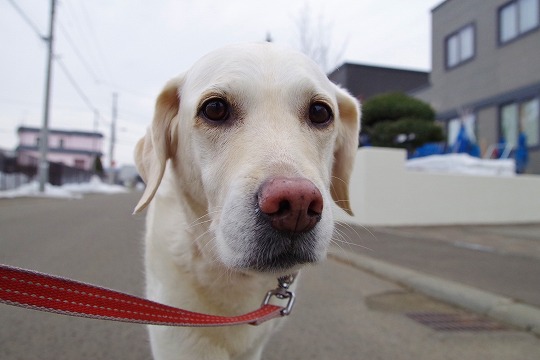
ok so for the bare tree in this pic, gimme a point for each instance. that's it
(316, 40)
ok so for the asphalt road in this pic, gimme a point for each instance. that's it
(341, 313)
(95, 240)
(503, 259)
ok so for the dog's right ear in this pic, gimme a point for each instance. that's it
(160, 142)
(346, 148)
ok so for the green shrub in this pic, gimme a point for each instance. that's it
(394, 106)
(385, 133)
(97, 167)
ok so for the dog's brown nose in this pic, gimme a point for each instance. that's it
(292, 204)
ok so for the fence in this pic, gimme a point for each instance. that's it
(18, 170)
(384, 193)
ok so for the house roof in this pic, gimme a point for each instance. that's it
(21, 148)
(365, 81)
(61, 132)
(437, 7)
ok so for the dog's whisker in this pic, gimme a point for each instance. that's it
(349, 226)
(225, 275)
(200, 236)
(333, 187)
(333, 241)
(343, 235)
(340, 179)
(336, 241)
(200, 221)
(339, 239)
(211, 241)
(197, 224)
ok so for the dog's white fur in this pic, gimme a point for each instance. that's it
(203, 249)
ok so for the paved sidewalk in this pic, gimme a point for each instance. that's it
(492, 270)
(343, 313)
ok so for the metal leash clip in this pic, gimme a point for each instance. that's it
(282, 293)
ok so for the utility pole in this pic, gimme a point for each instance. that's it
(113, 138)
(43, 168)
(96, 125)
(94, 141)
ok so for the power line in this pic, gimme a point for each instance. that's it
(61, 64)
(80, 92)
(131, 91)
(85, 29)
(58, 60)
(27, 19)
(96, 41)
(91, 48)
(78, 54)
(76, 86)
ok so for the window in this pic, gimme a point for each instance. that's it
(518, 17)
(61, 143)
(468, 122)
(460, 46)
(509, 124)
(521, 117)
(79, 163)
(530, 122)
(528, 15)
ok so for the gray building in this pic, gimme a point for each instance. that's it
(486, 71)
(365, 81)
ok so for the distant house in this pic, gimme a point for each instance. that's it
(365, 81)
(486, 71)
(72, 148)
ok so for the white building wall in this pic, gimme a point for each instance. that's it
(384, 193)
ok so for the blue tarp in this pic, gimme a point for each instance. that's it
(464, 144)
(522, 154)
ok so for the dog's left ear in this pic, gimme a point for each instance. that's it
(345, 149)
(160, 142)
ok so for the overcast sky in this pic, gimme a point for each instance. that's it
(134, 46)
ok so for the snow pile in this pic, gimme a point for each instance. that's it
(11, 181)
(69, 191)
(462, 164)
(94, 186)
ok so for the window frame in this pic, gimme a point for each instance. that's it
(519, 34)
(457, 35)
(519, 103)
(79, 163)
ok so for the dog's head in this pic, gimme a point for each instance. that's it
(261, 140)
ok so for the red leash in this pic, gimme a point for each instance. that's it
(32, 290)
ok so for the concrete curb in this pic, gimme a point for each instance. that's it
(498, 307)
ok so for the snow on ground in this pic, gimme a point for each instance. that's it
(462, 164)
(450, 163)
(70, 191)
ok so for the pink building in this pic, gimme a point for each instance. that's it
(72, 148)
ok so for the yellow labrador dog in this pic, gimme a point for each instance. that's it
(245, 153)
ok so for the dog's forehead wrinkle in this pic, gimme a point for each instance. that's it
(259, 94)
(273, 68)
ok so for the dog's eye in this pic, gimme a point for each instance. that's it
(215, 110)
(320, 113)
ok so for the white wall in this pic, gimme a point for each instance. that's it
(384, 193)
